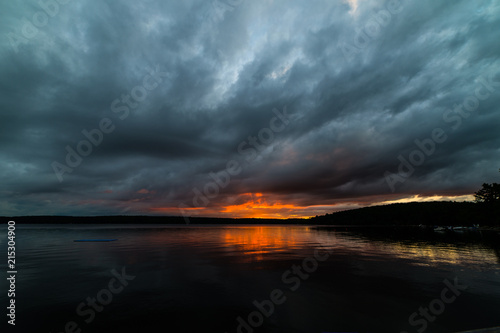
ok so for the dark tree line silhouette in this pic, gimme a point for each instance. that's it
(489, 194)
(485, 210)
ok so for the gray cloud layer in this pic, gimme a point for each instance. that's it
(362, 80)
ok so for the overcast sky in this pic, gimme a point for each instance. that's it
(298, 108)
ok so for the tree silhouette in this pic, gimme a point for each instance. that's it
(490, 193)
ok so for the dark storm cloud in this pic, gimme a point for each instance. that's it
(224, 67)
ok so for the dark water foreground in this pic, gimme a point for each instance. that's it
(252, 279)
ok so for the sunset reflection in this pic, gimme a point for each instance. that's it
(447, 254)
(259, 241)
(420, 253)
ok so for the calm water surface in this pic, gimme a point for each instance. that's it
(203, 278)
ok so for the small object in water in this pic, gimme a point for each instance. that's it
(95, 240)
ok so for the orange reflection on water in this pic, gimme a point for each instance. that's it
(254, 243)
(258, 241)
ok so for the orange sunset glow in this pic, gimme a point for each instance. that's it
(246, 205)
(260, 205)
(257, 207)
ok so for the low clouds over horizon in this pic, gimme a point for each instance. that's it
(291, 108)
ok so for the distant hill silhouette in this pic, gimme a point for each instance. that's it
(415, 213)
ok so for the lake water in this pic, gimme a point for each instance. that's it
(253, 279)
